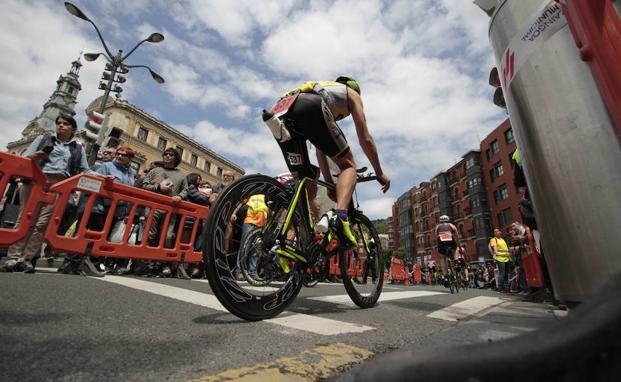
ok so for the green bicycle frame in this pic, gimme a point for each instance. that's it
(300, 192)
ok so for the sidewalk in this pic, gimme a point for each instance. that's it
(583, 345)
(512, 318)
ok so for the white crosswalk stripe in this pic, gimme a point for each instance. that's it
(467, 308)
(311, 323)
(344, 299)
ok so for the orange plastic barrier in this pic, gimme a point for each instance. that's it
(95, 189)
(417, 275)
(12, 167)
(355, 266)
(398, 270)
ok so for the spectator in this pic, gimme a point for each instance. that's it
(59, 157)
(198, 193)
(166, 180)
(256, 217)
(140, 178)
(227, 178)
(108, 154)
(503, 260)
(122, 172)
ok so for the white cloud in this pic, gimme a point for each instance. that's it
(32, 62)
(422, 66)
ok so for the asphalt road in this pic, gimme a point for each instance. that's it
(73, 328)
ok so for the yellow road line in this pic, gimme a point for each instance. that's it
(310, 365)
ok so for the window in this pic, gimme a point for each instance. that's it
(474, 182)
(180, 149)
(509, 138)
(492, 149)
(469, 163)
(207, 166)
(142, 134)
(161, 144)
(501, 193)
(193, 159)
(505, 217)
(496, 171)
(219, 172)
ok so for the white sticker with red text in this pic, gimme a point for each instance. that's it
(541, 26)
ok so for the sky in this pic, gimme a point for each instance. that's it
(422, 66)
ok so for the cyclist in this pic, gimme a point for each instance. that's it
(310, 112)
(447, 238)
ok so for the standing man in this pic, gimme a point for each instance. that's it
(59, 156)
(501, 256)
(227, 178)
(166, 180)
(310, 111)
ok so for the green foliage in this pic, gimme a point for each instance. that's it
(381, 225)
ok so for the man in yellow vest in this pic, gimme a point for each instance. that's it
(500, 251)
(256, 217)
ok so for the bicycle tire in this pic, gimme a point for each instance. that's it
(364, 295)
(457, 281)
(308, 282)
(219, 251)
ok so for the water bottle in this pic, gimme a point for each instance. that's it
(323, 224)
(278, 129)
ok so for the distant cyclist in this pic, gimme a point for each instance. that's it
(309, 112)
(447, 237)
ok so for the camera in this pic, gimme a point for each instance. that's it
(48, 149)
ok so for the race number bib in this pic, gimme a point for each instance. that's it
(446, 237)
(284, 104)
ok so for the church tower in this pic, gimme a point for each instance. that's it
(62, 100)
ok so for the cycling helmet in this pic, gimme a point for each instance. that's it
(349, 81)
(444, 219)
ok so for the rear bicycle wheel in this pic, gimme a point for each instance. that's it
(280, 278)
(366, 262)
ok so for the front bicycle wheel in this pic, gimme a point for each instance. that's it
(275, 281)
(362, 270)
(451, 283)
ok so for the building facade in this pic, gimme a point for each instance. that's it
(497, 149)
(131, 126)
(477, 193)
(405, 227)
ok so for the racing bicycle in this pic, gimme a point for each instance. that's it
(285, 252)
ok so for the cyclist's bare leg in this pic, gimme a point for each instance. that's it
(347, 180)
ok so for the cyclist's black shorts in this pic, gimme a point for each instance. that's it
(311, 119)
(444, 246)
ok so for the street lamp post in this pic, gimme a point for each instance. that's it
(114, 66)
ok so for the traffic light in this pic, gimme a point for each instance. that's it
(95, 121)
(499, 97)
